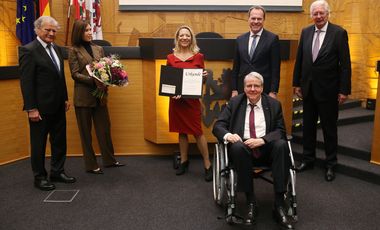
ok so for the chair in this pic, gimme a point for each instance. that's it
(101, 42)
(224, 183)
(208, 35)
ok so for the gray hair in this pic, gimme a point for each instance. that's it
(254, 75)
(256, 7)
(322, 3)
(44, 19)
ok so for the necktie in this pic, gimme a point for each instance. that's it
(52, 56)
(252, 130)
(316, 45)
(253, 47)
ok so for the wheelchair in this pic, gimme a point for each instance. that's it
(225, 178)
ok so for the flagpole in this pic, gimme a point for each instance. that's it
(68, 22)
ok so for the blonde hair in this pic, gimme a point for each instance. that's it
(193, 45)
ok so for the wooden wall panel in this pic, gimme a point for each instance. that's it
(14, 130)
(8, 38)
(375, 156)
(360, 18)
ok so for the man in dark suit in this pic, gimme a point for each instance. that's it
(44, 92)
(253, 125)
(322, 77)
(257, 51)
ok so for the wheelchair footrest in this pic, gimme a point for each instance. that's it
(234, 219)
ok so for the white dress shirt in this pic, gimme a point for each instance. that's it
(260, 125)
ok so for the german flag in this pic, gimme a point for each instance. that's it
(44, 7)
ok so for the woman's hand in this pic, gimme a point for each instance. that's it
(100, 84)
(176, 97)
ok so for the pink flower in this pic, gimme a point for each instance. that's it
(98, 65)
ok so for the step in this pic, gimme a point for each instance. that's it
(346, 117)
(357, 146)
(360, 169)
(298, 110)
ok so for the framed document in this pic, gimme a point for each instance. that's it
(185, 82)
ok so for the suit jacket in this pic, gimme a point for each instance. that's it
(266, 61)
(43, 87)
(330, 73)
(231, 119)
(83, 83)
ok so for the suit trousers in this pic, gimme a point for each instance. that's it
(274, 154)
(100, 117)
(53, 125)
(328, 114)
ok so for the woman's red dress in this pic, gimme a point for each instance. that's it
(185, 114)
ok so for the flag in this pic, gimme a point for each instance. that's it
(76, 9)
(24, 21)
(93, 6)
(44, 8)
(82, 9)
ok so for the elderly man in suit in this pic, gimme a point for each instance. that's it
(257, 50)
(44, 92)
(253, 125)
(322, 77)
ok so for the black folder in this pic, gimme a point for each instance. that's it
(171, 82)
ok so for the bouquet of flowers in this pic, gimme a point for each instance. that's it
(110, 71)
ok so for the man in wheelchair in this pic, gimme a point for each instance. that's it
(253, 125)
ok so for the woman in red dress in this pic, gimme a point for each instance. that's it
(185, 114)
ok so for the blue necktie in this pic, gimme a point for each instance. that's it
(52, 56)
(253, 46)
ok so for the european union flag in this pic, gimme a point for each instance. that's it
(24, 21)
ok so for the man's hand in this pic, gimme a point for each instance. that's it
(204, 75)
(67, 106)
(342, 98)
(273, 95)
(298, 91)
(254, 142)
(34, 115)
(176, 97)
(234, 93)
(233, 138)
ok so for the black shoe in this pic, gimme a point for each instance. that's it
(182, 168)
(330, 174)
(251, 215)
(304, 166)
(43, 185)
(208, 174)
(114, 165)
(95, 171)
(62, 177)
(281, 218)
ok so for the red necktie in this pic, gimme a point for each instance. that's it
(252, 130)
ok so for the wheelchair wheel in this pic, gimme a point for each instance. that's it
(218, 178)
